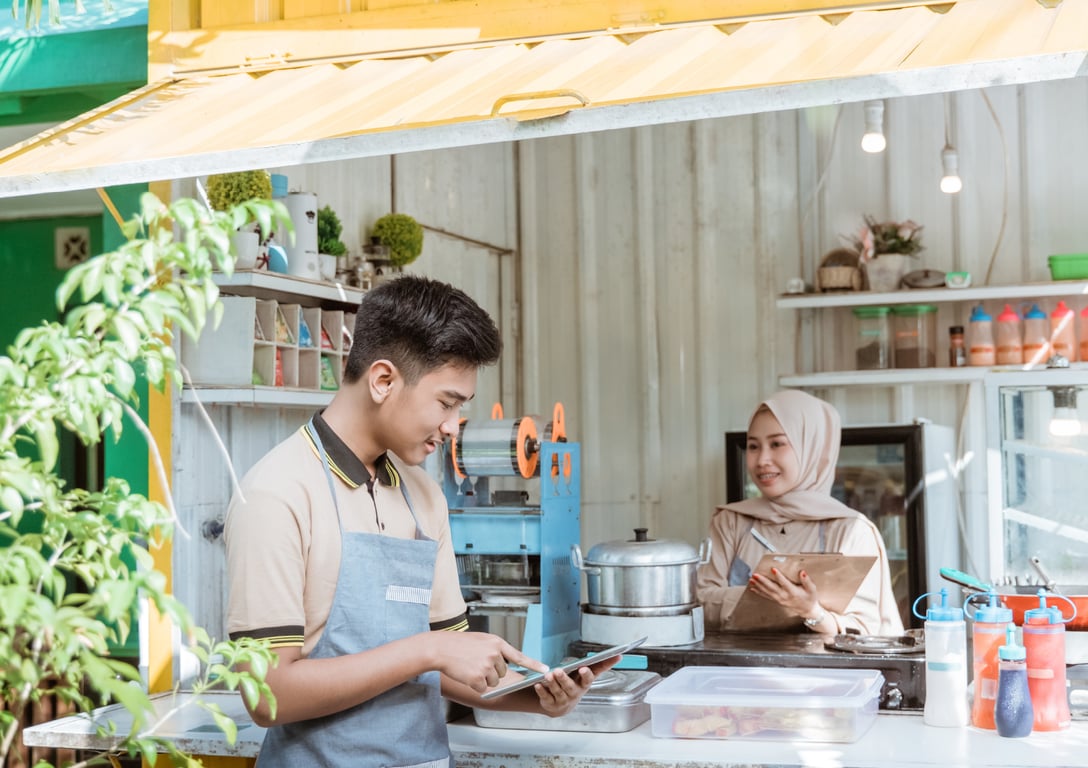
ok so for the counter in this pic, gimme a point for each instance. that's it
(894, 741)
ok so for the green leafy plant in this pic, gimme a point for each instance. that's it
(402, 234)
(328, 233)
(65, 590)
(878, 237)
(226, 190)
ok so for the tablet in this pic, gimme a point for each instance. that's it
(570, 666)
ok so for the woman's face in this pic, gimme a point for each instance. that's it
(772, 462)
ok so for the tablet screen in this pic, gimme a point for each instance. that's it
(570, 666)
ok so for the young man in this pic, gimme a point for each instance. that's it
(339, 551)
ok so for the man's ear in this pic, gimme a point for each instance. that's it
(382, 377)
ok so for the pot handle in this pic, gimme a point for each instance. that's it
(704, 551)
(578, 563)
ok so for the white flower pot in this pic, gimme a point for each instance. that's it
(885, 270)
(246, 246)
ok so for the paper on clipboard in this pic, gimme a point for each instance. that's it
(836, 576)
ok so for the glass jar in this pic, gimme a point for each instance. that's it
(873, 330)
(915, 331)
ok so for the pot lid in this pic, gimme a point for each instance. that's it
(642, 550)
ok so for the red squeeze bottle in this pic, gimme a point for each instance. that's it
(1044, 642)
(987, 637)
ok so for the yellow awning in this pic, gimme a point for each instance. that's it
(519, 90)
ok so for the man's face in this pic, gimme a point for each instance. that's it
(426, 413)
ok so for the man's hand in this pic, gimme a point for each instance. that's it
(478, 659)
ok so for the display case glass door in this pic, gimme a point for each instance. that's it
(1038, 475)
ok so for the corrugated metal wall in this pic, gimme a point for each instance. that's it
(640, 290)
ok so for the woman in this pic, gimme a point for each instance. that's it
(793, 444)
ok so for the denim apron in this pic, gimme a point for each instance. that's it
(740, 571)
(383, 593)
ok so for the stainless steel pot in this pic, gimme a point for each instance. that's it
(640, 576)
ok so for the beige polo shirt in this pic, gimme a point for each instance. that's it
(283, 540)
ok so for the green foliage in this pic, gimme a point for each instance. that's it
(328, 233)
(226, 190)
(65, 591)
(402, 234)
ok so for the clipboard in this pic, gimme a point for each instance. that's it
(837, 577)
(571, 666)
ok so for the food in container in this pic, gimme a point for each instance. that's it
(765, 703)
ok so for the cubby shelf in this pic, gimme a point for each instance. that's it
(286, 289)
(273, 396)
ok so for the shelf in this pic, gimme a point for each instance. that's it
(932, 295)
(1061, 452)
(286, 289)
(257, 396)
(892, 376)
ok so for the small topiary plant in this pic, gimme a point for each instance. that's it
(226, 190)
(402, 234)
(328, 233)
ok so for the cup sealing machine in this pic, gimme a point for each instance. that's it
(513, 551)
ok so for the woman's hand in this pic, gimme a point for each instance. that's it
(799, 598)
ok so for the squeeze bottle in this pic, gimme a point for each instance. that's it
(987, 635)
(1083, 334)
(946, 664)
(1010, 347)
(1063, 337)
(1036, 337)
(980, 338)
(1013, 712)
(1044, 643)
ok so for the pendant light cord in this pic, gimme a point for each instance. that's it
(1005, 186)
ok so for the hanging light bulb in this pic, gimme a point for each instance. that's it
(873, 140)
(951, 183)
(1064, 422)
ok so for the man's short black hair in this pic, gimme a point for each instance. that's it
(419, 324)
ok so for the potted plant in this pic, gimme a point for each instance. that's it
(402, 234)
(885, 249)
(227, 190)
(65, 591)
(329, 245)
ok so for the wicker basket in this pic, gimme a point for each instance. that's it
(838, 279)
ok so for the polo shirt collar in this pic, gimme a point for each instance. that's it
(345, 464)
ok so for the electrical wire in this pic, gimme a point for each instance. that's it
(1005, 186)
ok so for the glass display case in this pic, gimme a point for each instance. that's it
(1038, 475)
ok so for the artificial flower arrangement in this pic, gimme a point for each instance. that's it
(878, 237)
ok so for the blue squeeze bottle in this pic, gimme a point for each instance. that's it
(1013, 712)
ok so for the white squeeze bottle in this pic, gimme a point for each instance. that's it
(1036, 337)
(946, 664)
(980, 338)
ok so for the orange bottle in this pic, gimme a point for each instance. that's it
(1063, 337)
(1084, 334)
(1037, 337)
(990, 620)
(1010, 347)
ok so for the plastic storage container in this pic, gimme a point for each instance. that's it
(874, 349)
(765, 703)
(915, 329)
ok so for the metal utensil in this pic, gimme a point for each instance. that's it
(1048, 582)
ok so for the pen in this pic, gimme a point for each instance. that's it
(762, 540)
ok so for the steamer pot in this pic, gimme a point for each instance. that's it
(640, 576)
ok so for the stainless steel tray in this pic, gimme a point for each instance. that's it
(613, 704)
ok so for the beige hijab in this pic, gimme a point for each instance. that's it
(813, 429)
